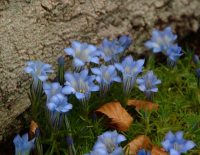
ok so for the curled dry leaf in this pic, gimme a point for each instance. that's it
(140, 104)
(158, 151)
(119, 117)
(33, 127)
(140, 142)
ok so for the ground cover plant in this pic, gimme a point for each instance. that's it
(112, 103)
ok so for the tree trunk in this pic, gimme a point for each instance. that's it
(40, 29)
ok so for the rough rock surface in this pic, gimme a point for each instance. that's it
(40, 29)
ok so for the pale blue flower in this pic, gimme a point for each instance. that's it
(58, 107)
(124, 41)
(82, 53)
(161, 40)
(130, 70)
(105, 75)
(110, 50)
(173, 53)
(22, 145)
(164, 41)
(80, 84)
(108, 144)
(58, 103)
(148, 84)
(195, 59)
(38, 70)
(175, 144)
(51, 89)
(143, 152)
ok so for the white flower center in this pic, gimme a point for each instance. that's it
(110, 146)
(38, 71)
(108, 51)
(127, 69)
(83, 87)
(107, 76)
(177, 146)
(148, 84)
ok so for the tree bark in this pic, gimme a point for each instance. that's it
(40, 29)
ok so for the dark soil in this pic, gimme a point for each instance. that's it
(19, 126)
(192, 42)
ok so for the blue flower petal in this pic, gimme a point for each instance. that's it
(28, 69)
(76, 45)
(111, 69)
(99, 145)
(188, 146)
(43, 78)
(174, 152)
(79, 95)
(77, 62)
(158, 82)
(154, 89)
(95, 60)
(117, 79)
(84, 74)
(17, 140)
(166, 145)
(25, 137)
(68, 90)
(142, 87)
(69, 51)
(98, 79)
(46, 86)
(51, 106)
(141, 152)
(152, 45)
(95, 88)
(119, 67)
(92, 48)
(179, 135)
(120, 138)
(140, 62)
(96, 71)
(170, 136)
(69, 77)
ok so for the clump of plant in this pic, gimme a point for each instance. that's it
(95, 98)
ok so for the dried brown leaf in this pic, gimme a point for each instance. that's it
(33, 127)
(140, 142)
(140, 104)
(119, 117)
(158, 151)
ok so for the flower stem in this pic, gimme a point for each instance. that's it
(70, 144)
(147, 120)
(60, 74)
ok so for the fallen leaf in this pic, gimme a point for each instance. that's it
(140, 104)
(119, 117)
(33, 127)
(140, 142)
(158, 151)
